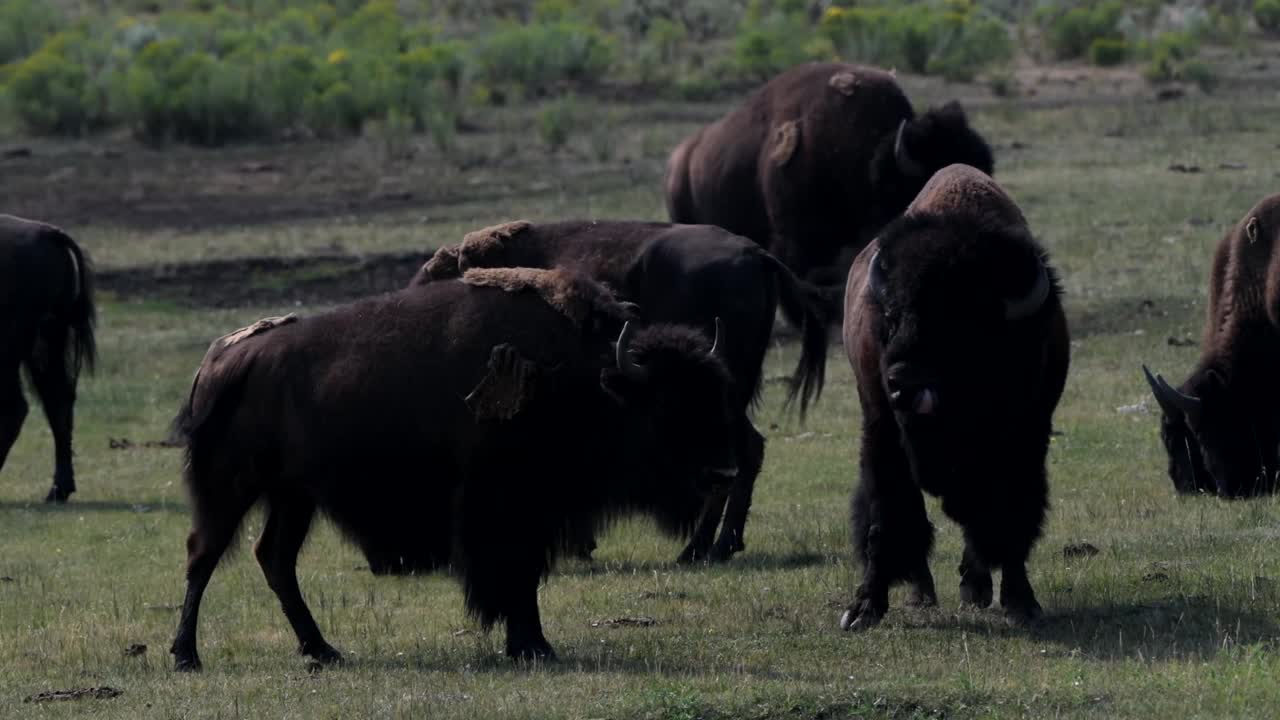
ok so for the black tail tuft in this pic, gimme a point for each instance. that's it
(807, 308)
(81, 315)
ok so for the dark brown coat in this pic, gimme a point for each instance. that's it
(816, 161)
(1221, 427)
(959, 344)
(690, 274)
(476, 425)
(46, 324)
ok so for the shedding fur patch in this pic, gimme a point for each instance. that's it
(843, 83)
(443, 264)
(257, 328)
(1251, 229)
(481, 240)
(574, 296)
(506, 388)
(786, 137)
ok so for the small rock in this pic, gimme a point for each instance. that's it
(1080, 549)
(91, 693)
(135, 650)
(1018, 145)
(1180, 342)
(1182, 168)
(1155, 576)
(1140, 408)
(121, 444)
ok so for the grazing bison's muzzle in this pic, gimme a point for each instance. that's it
(910, 391)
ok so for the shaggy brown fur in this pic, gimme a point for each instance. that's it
(1221, 426)
(560, 288)
(678, 273)
(959, 344)
(810, 164)
(46, 326)
(447, 426)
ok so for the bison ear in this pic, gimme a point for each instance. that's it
(953, 113)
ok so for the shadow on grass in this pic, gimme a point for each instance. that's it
(139, 507)
(747, 562)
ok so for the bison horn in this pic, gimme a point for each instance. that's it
(1027, 305)
(1171, 400)
(906, 164)
(875, 274)
(626, 364)
(717, 350)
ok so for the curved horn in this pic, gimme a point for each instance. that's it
(626, 364)
(1171, 400)
(906, 164)
(717, 350)
(875, 274)
(1027, 305)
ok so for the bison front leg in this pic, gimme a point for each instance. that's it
(976, 588)
(891, 531)
(288, 522)
(750, 449)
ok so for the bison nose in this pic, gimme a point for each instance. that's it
(910, 392)
(726, 473)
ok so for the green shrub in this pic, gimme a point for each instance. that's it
(1070, 34)
(1108, 52)
(770, 44)
(540, 57)
(25, 25)
(1173, 57)
(557, 121)
(1267, 14)
(54, 91)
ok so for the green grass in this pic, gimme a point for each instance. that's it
(1177, 616)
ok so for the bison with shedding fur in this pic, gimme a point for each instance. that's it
(816, 161)
(474, 426)
(689, 274)
(1221, 427)
(959, 344)
(46, 324)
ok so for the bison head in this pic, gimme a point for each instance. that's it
(960, 314)
(1213, 445)
(936, 139)
(674, 389)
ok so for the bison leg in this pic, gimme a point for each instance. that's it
(525, 640)
(212, 531)
(13, 410)
(288, 522)
(975, 579)
(57, 391)
(1016, 596)
(891, 530)
(704, 532)
(923, 593)
(751, 459)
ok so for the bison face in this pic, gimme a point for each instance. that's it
(674, 389)
(1212, 443)
(961, 325)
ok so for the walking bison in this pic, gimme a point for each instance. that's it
(476, 424)
(1221, 427)
(816, 161)
(688, 274)
(46, 325)
(959, 344)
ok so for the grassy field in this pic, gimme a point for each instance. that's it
(1175, 616)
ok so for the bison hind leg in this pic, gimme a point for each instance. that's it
(288, 522)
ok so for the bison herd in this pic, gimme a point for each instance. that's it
(536, 381)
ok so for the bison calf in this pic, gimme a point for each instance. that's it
(46, 324)
(1221, 427)
(478, 424)
(957, 338)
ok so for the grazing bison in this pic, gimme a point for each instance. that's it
(1221, 427)
(476, 424)
(46, 325)
(957, 338)
(816, 161)
(689, 274)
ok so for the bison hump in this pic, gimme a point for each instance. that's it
(258, 328)
(478, 241)
(967, 190)
(506, 388)
(572, 294)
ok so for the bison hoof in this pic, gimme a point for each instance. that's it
(978, 595)
(922, 598)
(188, 664)
(1023, 614)
(325, 654)
(857, 619)
(539, 651)
(57, 495)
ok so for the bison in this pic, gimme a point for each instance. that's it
(475, 424)
(688, 274)
(1221, 427)
(816, 161)
(956, 334)
(46, 324)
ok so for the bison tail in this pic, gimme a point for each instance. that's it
(215, 393)
(81, 314)
(805, 306)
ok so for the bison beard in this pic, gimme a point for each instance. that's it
(46, 325)
(478, 429)
(957, 337)
(683, 274)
